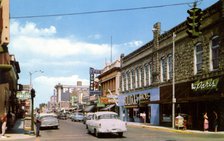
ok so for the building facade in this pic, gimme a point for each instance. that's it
(198, 72)
(109, 81)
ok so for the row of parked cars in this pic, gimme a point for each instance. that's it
(97, 123)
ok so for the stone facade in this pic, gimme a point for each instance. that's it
(193, 62)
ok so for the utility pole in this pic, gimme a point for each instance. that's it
(173, 94)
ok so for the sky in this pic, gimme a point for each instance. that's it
(64, 47)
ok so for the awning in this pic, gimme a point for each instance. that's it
(108, 107)
(89, 108)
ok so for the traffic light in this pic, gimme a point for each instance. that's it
(194, 22)
(32, 93)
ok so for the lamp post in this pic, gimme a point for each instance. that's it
(32, 93)
(173, 94)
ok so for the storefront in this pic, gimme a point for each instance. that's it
(193, 99)
(140, 106)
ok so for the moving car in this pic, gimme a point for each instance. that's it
(49, 120)
(106, 122)
(77, 117)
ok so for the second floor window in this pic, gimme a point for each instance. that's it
(170, 67)
(198, 58)
(163, 70)
(215, 53)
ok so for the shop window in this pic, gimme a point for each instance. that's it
(214, 55)
(198, 58)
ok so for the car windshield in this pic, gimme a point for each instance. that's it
(108, 116)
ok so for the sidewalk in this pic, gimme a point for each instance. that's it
(17, 132)
(147, 125)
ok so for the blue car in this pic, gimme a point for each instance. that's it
(77, 117)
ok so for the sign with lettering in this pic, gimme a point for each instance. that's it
(208, 84)
(135, 99)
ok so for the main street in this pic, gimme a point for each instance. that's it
(70, 131)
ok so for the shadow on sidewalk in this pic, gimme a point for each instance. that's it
(17, 128)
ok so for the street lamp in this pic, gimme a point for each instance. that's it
(32, 93)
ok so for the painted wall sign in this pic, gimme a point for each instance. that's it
(208, 84)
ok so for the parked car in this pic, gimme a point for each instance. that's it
(88, 116)
(62, 116)
(106, 122)
(49, 120)
(77, 117)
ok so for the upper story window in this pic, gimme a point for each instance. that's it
(137, 78)
(163, 69)
(122, 81)
(141, 77)
(132, 79)
(214, 53)
(127, 80)
(169, 67)
(146, 71)
(150, 74)
(198, 58)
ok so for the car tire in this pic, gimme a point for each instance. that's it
(120, 134)
(97, 134)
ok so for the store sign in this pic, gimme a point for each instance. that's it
(208, 84)
(135, 99)
(23, 95)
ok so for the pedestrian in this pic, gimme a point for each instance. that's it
(206, 122)
(215, 124)
(4, 121)
(37, 123)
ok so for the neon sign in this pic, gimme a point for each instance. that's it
(208, 84)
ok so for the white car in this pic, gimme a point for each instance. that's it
(49, 120)
(106, 122)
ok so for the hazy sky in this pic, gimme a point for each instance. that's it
(64, 47)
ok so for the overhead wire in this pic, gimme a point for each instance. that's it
(99, 11)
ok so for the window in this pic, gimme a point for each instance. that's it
(127, 80)
(170, 67)
(141, 77)
(150, 74)
(133, 79)
(137, 78)
(163, 70)
(122, 82)
(198, 58)
(215, 53)
(146, 71)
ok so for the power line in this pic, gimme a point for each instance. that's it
(100, 11)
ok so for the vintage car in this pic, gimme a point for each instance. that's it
(49, 120)
(77, 117)
(106, 122)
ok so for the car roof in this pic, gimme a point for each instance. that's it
(48, 114)
(104, 112)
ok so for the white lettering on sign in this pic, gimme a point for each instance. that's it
(135, 99)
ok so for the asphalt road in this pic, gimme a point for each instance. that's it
(76, 131)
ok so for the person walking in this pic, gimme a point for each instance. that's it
(215, 124)
(4, 121)
(38, 123)
(206, 122)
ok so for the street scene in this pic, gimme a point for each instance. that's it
(112, 70)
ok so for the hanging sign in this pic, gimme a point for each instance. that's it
(208, 84)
